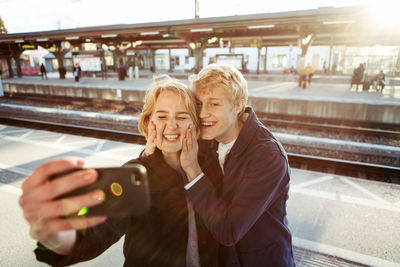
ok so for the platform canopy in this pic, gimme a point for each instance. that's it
(350, 26)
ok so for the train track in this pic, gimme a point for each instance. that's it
(386, 130)
(344, 129)
(327, 165)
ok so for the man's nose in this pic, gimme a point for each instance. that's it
(203, 112)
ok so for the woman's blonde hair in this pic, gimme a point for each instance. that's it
(221, 76)
(166, 83)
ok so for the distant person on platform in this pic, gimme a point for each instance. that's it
(1, 85)
(381, 81)
(309, 73)
(305, 76)
(77, 72)
(325, 68)
(43, 71)
(357, 77)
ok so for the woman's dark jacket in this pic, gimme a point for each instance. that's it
(158, 238)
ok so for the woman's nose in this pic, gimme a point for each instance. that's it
(172, 124)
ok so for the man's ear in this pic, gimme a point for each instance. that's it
(240, 106)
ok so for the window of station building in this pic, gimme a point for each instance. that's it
(279, 61)
(68, 63)
(36, 61)
(25, 60)
(89, 46)
(55, 64)
(109, 60)
(376, 58)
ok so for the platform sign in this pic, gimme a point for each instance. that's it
(29, 47)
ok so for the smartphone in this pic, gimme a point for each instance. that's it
(126, 191)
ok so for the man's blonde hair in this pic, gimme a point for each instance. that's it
(166, 83)
(221, 76)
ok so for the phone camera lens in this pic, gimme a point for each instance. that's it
(135, 181)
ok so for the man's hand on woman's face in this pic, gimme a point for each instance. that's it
(44, 212)
(189, 152)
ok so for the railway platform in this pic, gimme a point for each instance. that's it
(335, 220)
(323, 99)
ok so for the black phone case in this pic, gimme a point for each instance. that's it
(126, 191)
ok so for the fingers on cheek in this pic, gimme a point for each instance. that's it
(183, 141)
(152, 119)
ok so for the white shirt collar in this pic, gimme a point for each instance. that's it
(223, 150)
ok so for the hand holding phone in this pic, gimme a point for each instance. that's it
(126, 192)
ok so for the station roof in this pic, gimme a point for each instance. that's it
(351, 26)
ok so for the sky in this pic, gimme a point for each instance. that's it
(42, 15)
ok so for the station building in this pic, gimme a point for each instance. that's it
(331, 40)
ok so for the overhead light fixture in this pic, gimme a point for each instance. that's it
(192, 45)
(167, 35)
(163, 41)
(72, 38)
(42, 40)
(109, 35)
(149, 33)
(261, 26)
(339, 22)
(212, 40)
(87, 40)
(137, 43)
(202, 30)
(306, 39)
(19, 41)
(125, 45)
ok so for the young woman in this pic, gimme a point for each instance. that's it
(168, 235)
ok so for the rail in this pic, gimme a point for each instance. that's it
(329, 165)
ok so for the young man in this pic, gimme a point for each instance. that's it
(246, 209)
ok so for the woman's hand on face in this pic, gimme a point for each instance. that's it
(45, 213)
(189, 152)
(151, 139)
(154, 136)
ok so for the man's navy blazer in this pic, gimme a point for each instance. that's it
(245, 208)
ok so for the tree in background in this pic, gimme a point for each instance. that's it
(2, 27)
